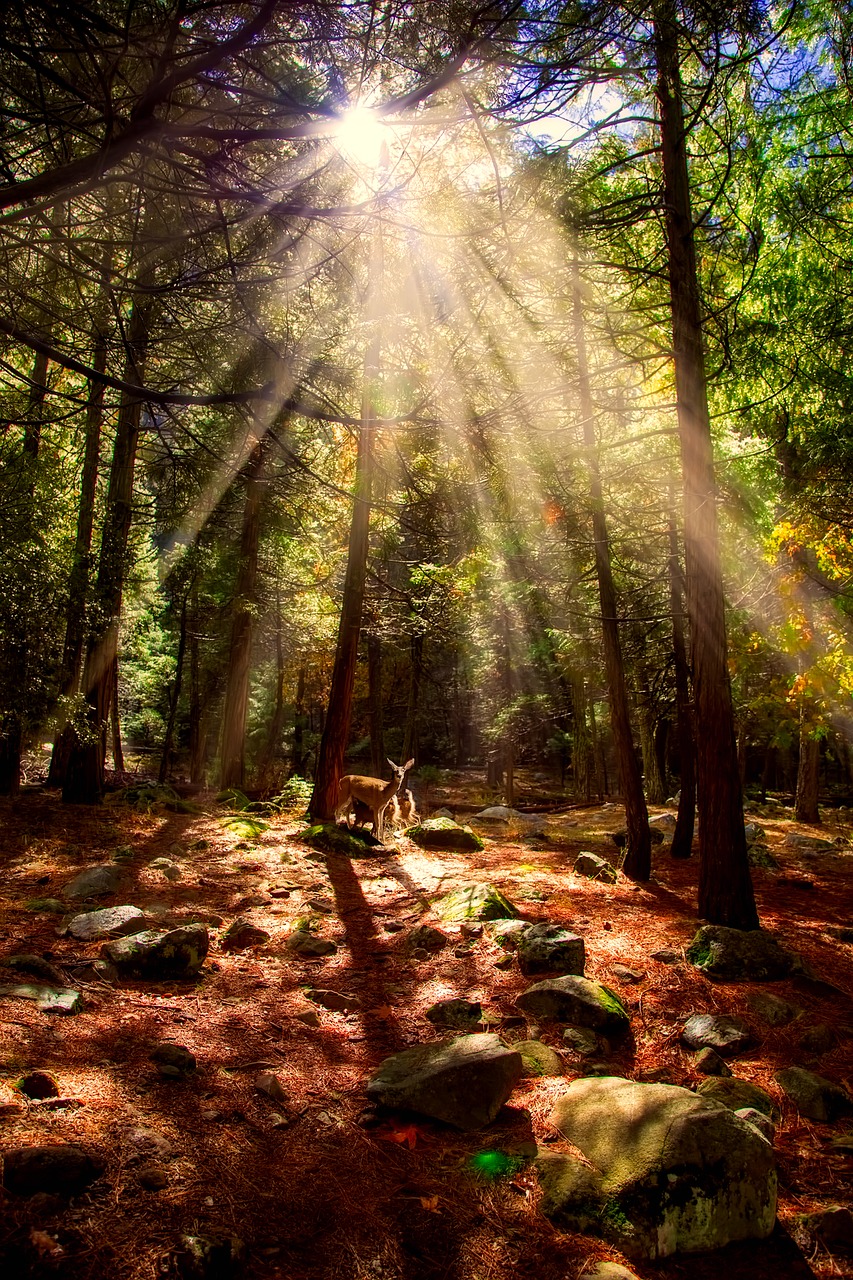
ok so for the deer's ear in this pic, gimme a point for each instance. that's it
(408, 764)
(391, 762)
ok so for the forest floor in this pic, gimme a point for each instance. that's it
(312, 1190)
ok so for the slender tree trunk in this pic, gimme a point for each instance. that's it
(277, 722)
(582, 751)
(300, 723)
(233, 765)
(115, 723)
(808, 775)
(410, 735)
(682, 839)
(83, 782)
(725, 887)
(175, 696)
(374, 701)
(638, 853)
(333, 743)
(198, 711)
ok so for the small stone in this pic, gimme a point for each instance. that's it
(504, 962)
(242, 934)
(818, 1039)
(814, 1096)
(336, 1001)
(709, 1063)
(38, 1084)
(759, 1121)
(538, 1058)
(309, 1016)
(665, 955)
(149, 1142)
(153, 954)
(471, 930)
(269, 1083)
(426, 937)
(594, 868)
(581, 1041)
(213, 1256)
(173, 1060)
(309, 946)
(474, 902)
(112, 922)
(152, 1177)
(772, 1009)
(833, 1226)
(95, 882)
(462, 1014)
(737, 1094)
(715, 1031)
(623, 974)
(167, 868)
(393, 926)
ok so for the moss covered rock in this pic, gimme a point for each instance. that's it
(671, 1172)
(740, 954)
(329, 837)
(577, 1000)
(474, 902)
(444, 833)
(737, 1094)
(170, 953)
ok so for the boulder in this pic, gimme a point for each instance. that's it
(664, 822)
(464, 1082)
(62, 1169)
(463, 1015)
(726, 1035)
(549, 948)
(772, 1009)
(665, 955)
(474, 902)
(736, 1094)
(94, 882)
(814, 1096)
(577, 1000)
(671, 1172)
(608, 1271)
(111, 922)
(747, 955)
(328, 837)
(808, 844)
(444, 833)
(594, 868)
(170, 953)
(309, 946)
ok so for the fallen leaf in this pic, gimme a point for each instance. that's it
(406, 1136)
(430, 1203)
(383, 1011)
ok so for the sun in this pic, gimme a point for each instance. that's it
(362, 137)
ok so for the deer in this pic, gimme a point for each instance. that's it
(372, 792)
(407, 813)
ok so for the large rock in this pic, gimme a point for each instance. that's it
(577, 1000)
(474, 902)
(462, 1015)
(61, 1000)
(808, 844)
(111, 922)
(444, 833)
(740, 954)
(172, 953)
(814, 1096)
(672, 1172)
(58, 1170)
(726, 1035)
(549, 948)
(737, 1094)
(594, 868)
(94, 882)
(464, 1082)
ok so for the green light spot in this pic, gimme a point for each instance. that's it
(492, 1164)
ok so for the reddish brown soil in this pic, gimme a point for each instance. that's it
(312, 1192)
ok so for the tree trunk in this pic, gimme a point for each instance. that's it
(277, 722)
(175, 696)
(233, 764)
(78, 585)
(410, 735)
(301, 722)
(808, 775)
(638, 853)
(83, 782)
(682, 838)
(333, 743)
(374, 702)
(115, 723)
(725, 887)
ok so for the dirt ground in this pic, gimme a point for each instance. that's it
(316, 1189)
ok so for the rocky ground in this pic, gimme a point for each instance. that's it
(232, 1106)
